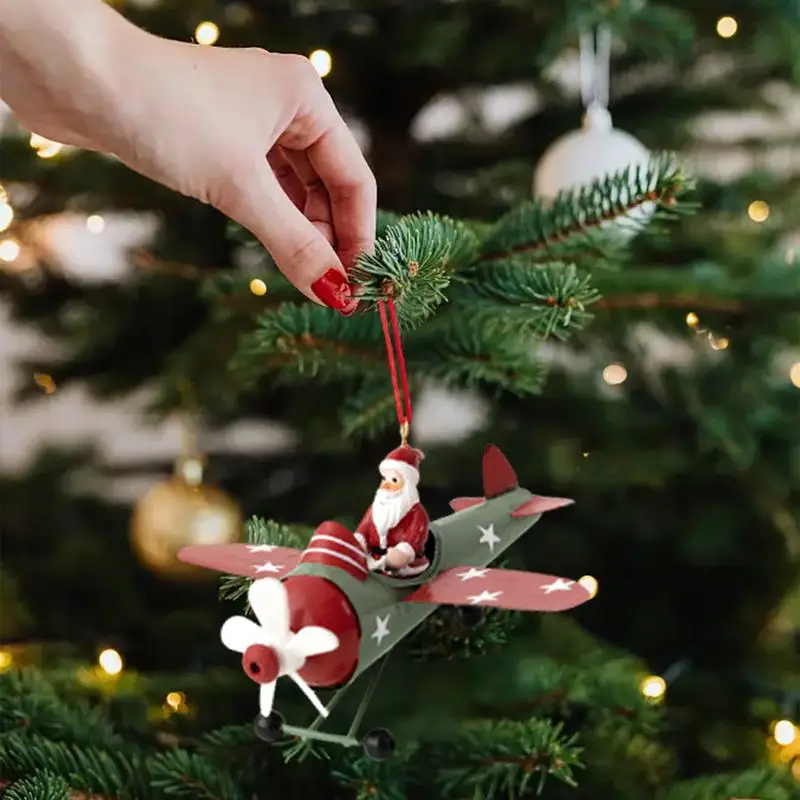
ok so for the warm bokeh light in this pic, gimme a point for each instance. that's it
(758, 211)
(615, 374)
(653, 687)
(727, 27)
(794, 374)
(784, 732)
(692, 319)
(589, 583)
(45, 148)
(718, 342)
(6, 215)
(95, 224)
(45, 382)
(322, 61)
(258, 287)
(6, 660)
(110, 661)
(206, 33)
(175, 700)
(9, 250)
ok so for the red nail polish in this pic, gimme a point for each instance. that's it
(334, 290)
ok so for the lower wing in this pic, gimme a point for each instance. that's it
(501, 588)
(247, 560)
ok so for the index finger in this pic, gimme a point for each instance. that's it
(353, 193)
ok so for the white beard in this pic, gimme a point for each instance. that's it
(388, 508)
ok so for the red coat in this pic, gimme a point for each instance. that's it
(412, 530)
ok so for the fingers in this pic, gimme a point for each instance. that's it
(338, 161)
(300, 250)
(317, 206)
(287, 177)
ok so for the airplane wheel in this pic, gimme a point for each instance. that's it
(269, 729)
(470, 616)
(379, 744)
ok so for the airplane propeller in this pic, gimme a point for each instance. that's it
(271, 649)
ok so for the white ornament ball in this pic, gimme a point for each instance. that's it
(594, 152)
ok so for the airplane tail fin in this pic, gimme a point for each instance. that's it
(498, 475)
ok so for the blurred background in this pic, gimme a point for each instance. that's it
(672, 418)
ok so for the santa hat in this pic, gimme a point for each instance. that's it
(406, 460)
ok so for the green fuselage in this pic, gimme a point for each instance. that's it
(473, 537)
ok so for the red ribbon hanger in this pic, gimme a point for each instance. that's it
(397, 366)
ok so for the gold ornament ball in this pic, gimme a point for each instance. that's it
(175, 514)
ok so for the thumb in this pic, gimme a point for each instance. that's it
(300, 251)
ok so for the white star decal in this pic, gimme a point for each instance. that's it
(488, 536)
(269, 567)
(260, 548)
(472, 573)
(484, 597)
(558, 585)
(381, 629)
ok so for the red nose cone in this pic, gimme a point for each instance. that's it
(260, 663)
(314, 600)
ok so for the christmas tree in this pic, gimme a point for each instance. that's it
(627, 342)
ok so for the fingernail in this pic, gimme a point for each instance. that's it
(334, 290)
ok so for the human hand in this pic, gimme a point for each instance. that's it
(254, 134)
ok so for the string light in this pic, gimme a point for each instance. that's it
(258, 287)
(6, 214)
(758, 211)
(9, 250)
(653, 687)
(206, 33)
(322, 61)
(44, 147)
(794, 374)
(6, 660)
(110, 661)
(718, 342)
(615, 374)
(589, 582)
(45, 382)
(175, 700)
(95, 224)
(727, 27)
(784, 732)
(692, 319)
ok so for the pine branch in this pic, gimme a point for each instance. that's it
(521, 295)
(504, 757)
(182, 774)
(763, 783)
(575, 227)
(41, 786)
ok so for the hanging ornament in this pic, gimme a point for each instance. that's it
(598, 149)
(182, 511)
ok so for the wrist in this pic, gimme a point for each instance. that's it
(63, 77)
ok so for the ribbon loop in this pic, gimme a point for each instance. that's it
(397, 366)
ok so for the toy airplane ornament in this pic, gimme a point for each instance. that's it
(324, 617)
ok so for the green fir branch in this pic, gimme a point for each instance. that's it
(308, 341)
(543, 300)
(41, 786)
(505, 758)
(181, 774)
(764, 783)
(576, 225)
(471, 352)
(369, 410)
(372, 780)
(412, 263)
(446, 636)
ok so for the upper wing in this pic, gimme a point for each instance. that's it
(248, 560)
(501, 588)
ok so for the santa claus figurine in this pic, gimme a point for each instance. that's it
(395, 528)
